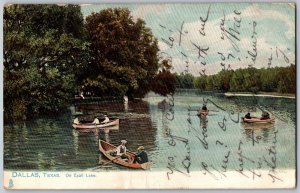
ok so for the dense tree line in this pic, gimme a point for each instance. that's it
(51, 53)
(278, 79)
(43, 46)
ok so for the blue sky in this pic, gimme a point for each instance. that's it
(255, 34)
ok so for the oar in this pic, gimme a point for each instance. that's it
(205, 115)
(213, 110)
(201, 110)
(110, 161)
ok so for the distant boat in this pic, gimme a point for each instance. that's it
(203, 113)
(105, 148)
(258, 120)
(93, 126)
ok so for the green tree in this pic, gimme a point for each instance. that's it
(269, 81)
(42, 55)
(287, 80)
(125, 54)
(252, 80)
(237, 82)
(164, 82)
(200, 82)
(185, 80)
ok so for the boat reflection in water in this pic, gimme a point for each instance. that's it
(95, 131)
(260, 132)
(203, 121)
(112, 128)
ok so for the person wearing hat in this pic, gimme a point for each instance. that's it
(96, 121)
(76, 121)
(106, 120)
(248, 116)
(141, 156)
(121, 150)
(265, 115)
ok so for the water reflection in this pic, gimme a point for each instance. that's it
(106, 137)
(203, 121)
(52, 143)
(259, 132)
(164, 106)
(136, 131)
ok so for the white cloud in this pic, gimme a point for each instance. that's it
(144, 9)
(254, 11)
(213, 39)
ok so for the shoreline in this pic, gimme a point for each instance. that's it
(261, 94)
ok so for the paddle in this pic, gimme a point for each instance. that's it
(110, 161)
(201, 110)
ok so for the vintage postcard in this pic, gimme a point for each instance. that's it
(149, 96)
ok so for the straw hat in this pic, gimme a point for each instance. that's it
(141, 148)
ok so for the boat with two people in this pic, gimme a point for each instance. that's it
(126, 159)
(265, 118)
(96, 124)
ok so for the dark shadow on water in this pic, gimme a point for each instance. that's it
(53, 144)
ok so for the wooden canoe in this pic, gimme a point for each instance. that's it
(93, 126)
(105, 148)
(258, 120)
(203, 113)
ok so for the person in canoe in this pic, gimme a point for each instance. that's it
(265, 115)
(76, 121)
(106, 119)
(141, 157)
(120, 151)
(203, 111)
(248, 116)
(96, 121)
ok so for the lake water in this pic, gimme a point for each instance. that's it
(173, 136)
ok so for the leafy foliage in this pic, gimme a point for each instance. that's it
(185, 80)
(125, 54)
(42, 54)
(278, 79)
(163, 82)
(50, 54)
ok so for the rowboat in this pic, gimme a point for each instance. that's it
(93, 126)
(258, 120)
(203, 113)
(106, 148)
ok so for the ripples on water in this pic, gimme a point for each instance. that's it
(52, 144)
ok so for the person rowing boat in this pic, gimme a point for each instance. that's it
(265, 115)
(106, 149)
(121, 151)
(96, 121)
(106, 120)
(203, 112)
(76, 121)
(141, 156)
(265, 118)
(248, 116)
